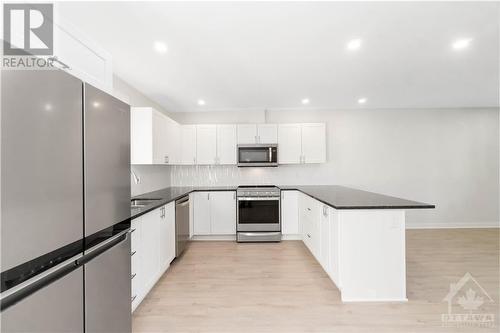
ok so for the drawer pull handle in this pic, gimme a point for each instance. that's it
(134, 252)
(308, 235)
(133, 276)
(132, 298)
(309, 209)
(131, 231)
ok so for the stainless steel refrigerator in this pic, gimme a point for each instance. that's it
(65, 206)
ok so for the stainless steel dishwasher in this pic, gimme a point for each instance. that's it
(181, 225)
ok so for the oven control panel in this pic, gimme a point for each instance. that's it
(271, 191)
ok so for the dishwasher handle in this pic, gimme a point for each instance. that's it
(183, 201)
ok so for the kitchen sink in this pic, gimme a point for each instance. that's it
(138, 203)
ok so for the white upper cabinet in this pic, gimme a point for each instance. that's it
(301, 143)
(313, 143)
(247, 133)
(159, 138)
(150, 137)
(84, 57)
(289, 144)
(188, 144)
(261, 133)
(173, 139)
(206, 144)
(267, 133)
(226, 144)
(141, 136)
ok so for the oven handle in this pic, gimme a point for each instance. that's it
(258, 199)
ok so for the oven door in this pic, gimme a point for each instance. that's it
(258, 214)
(257, 155)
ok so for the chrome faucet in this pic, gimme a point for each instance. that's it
(137, 180)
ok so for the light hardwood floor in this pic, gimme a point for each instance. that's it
(230, 287)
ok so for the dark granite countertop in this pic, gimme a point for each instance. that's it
(170, 194)
(339, 197)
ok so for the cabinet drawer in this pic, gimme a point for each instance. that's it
(135, 234)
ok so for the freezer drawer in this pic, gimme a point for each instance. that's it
(107, 289)
(58, 307)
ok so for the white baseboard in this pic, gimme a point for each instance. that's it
(453, 225)
(374, 300)
(213, 238)
(291, 237)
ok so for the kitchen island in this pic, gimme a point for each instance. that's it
(357, 236)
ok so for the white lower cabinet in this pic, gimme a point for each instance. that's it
(309, 213)
(214, 213)
(290, 214)
(223, 213)
(167, 237)
(153, 249)
(324, 247)
(320, 230)
(335, 249)
(201, 213)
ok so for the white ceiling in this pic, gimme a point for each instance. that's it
(271, 55)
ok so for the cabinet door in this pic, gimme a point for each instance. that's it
(313, 143)
(188, 144)
(223, 213)
(159, 138)
(201, 213)
(289, 143)
(324, 233)
(84, 57)
(247, 133)
(334, 247)
(170, 217)
(267, 133)
(315, 229)
(226, 144)
(141, 136)
(173, 140)
(163, 240)
(136, 262)
(290, 212)
(206, 144)
(150, 247)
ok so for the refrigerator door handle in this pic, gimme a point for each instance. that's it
(103, 247)
(25, 289)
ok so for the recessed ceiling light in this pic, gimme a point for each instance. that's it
(160, 47)
(201, 102)
(362, 100)
(305, 101)
(461, 44)
(354, 44)
(96, 104)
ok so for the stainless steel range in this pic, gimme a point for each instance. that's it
(258, 214)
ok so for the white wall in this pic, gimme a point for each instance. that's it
(448, 157)
(152, 177)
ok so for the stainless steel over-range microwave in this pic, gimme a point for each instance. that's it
(262, 155)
